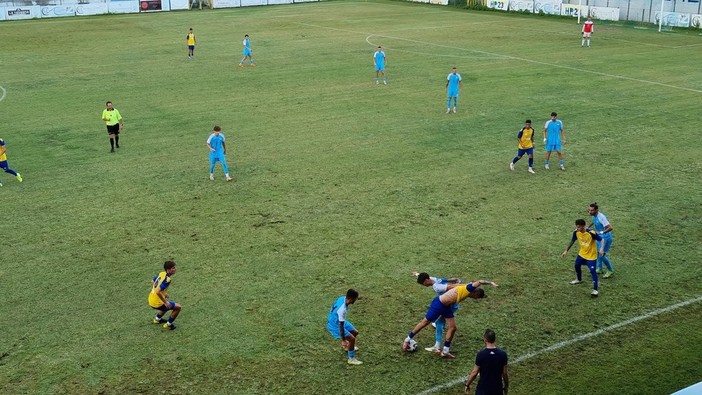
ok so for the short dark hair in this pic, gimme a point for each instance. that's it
(490, 335)
(528, 121)
(108, 102)
(595, 206)
(553, 114)
(481, 293)
(168, 265)
(580, 222)
(217, 129)
(352, 294)
(422, 277)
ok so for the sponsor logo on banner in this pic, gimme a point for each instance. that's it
(674, 19)
(605, 13)
(56, 11)
(226, 3)
(439, 2)
(30, 12)
(548, 7)
(573, 10)
(91, 9)
(521, 5)
(501, 5)
(696, 21)
(150, 5)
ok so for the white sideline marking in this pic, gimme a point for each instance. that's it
(434, 55)
(513, 58)
(4, 93)
(565, 343)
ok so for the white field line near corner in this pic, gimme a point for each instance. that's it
(512, 58)
(574, 340)
(4, 93)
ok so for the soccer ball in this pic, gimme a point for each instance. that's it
(412, 346)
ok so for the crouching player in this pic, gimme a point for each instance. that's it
(342, 329)
(158, 298)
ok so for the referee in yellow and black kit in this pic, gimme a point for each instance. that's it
(113, 120)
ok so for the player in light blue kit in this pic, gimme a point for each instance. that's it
(217, 151)
(453, 86)
(604, 229)
(554, 138)
(379, 63)
(342, 329)
(440, 285)
(248, 53)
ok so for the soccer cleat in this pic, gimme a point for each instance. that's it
(405, 345)
(448, 110)
(377, 82)
(447, 355)
(19, 177)
(511, 166)
(116, 145)
(454, 110)
(112, 150)
(600, 271)
(608, 274)
(354, 361)
(594, 293)
(168, 326)
(433, 349)
(211, 177)
(575, 282)
(241, 65)
(158, 321)
(531, 170)
(385, 82)
(228, 178)
(0, 184)
(562, 167)
(546, 166)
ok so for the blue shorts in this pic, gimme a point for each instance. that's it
(528, 151)
(582, 261)
(163, 307)
(214, 158)
(554, 147)
(438, 309)
(247, 52)
(452, 93)
(607, 243)
(4, 165)
(333, 328)
(380, 67)
(191, 47)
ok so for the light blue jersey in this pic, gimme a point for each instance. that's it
(600, 222)
(337, 314)
(454, 82)
(379, 58)
(553, 131)
(247, 47)
(217, 143)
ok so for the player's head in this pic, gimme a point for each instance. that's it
(528, 122)
(169, 267)
(554, 115)
(489, 336)
(454, 70)
(593, 209)
(351, 296)
(580, 225)
(246, 36)
(191, 30)
(477, 293)
(380, 48)
(422, 279)
(216, 130)
(109, 105)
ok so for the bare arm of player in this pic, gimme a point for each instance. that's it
(471, 378)
(478, 283)
(563, 255)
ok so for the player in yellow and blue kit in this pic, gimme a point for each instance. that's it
(3, 162)
(439, 285)
(442, 307)
(248, 53)
(525, 145)
(158, 298)
(217, 151)
(190, 42)
(587, 254)
(342, 329)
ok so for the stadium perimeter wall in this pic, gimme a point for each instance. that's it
(30, 9)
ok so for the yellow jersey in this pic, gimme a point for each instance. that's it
(113, 117)
(526, 138)
(160, 283)
(588, 247)
(463, 292)
(191, 38)
(3, 157)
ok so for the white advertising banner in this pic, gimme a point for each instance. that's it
(673, 19)
(605, 13)
(122, 6)
(552, 7)
(501, 5)
(226, 3)
(307, 1)
(574, 10)
(53, 11)
(246, 3)
(272, 2)
(179, 4)
(696, 21)
(521, 5)
(91, 9)
(24, 12)
(2, 13)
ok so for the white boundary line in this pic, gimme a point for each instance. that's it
(4, 93)
(511, 58)
(577, 339)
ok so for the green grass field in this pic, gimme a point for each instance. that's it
(341, 183)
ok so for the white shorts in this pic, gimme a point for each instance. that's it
(586, 35)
